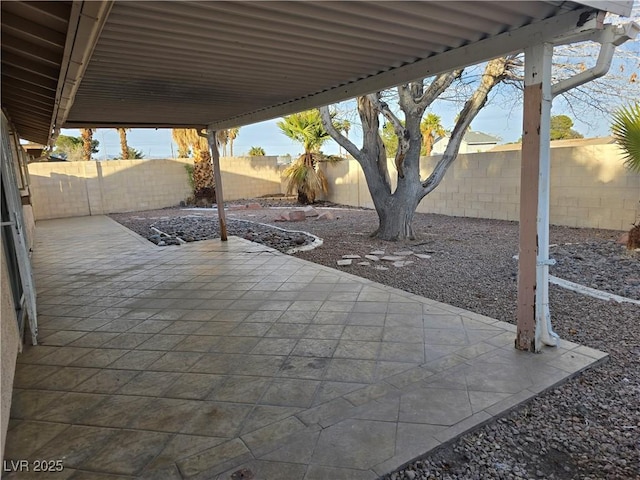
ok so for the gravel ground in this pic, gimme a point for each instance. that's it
(587, 428)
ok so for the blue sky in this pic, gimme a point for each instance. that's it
(496, 119)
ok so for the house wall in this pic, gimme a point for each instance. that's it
(9, 345)
(590, 187)
(74, 189)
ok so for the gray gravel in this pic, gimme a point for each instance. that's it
(587, 428)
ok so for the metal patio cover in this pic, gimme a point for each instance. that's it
(225, 64)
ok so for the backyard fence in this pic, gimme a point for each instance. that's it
(589, 185)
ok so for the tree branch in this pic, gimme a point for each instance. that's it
(495, 71)
(437, 87)
(401, 132)
(340, 139)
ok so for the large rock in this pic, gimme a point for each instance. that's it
(310, 212)
(325, 216)
(297, 216)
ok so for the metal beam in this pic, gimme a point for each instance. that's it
(86, 22)
(503, 44)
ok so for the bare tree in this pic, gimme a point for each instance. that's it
(396, 208)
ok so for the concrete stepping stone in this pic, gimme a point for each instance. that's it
(402, 263)
(391, 258)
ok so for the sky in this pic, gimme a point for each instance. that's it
(497, 119)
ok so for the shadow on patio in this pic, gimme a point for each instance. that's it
(212, 358)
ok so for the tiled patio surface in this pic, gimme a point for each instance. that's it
(233, 361)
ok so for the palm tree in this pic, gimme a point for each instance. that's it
(87, 143)
(431, 128)
(222, 136)
(303, 175)
(232, 134)
(124, 148)
(180, 136)
(626, 132)
(203, 183)
(256, 152)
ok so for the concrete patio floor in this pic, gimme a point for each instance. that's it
(231, 361)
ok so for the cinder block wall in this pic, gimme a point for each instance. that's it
(73, 189)
(250, 177)
(590, 187)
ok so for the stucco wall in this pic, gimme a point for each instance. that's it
(589, 187)
(9, 344)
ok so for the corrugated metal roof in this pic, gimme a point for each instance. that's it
(33, 40)
(226, 63)
(185, 63)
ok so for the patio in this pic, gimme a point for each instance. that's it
(231, 360)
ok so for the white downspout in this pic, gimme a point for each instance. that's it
(544, 332)
(610, 37)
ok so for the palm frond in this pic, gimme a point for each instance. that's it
(626, 132)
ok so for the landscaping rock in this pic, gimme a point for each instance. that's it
(310, 212)
(377, 252)
(297, 216)
(403, 253)
(423, 256)
(325, 216)
(344, 263)
(351, 256)
(373, 258)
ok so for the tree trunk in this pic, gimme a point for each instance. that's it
(395, 217)
(203, 182)
(87, 139)
(124, 147)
